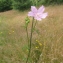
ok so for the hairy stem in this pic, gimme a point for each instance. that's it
(27, 35)
(35, 24)
(30, 41)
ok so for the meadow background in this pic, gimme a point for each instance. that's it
(13, 40)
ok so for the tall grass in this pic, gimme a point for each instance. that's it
(13, 42)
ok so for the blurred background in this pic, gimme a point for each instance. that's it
(25, 4)
(47, 44)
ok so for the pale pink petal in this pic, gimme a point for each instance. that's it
(33, 9)
(37, 18)
(41, 9)
(37, 14)
(30, 14)
(44, 15)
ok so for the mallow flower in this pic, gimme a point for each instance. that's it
(38, 14)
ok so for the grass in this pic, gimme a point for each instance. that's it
(13, 43)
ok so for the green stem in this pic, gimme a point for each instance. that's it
(27, 36)
(30, 41)
(35, 24)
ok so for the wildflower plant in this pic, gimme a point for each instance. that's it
(37, 15)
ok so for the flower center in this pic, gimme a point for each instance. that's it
(38, 15)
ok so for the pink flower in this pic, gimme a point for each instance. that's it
(37, 14)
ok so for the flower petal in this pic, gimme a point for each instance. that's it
(37, 14)
(30, 13)
(44, 15)
(41, 9)
(37, 18)
(33, 9)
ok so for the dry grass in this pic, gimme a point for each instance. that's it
(13, 36)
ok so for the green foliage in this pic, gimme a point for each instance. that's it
(48, 2)
(27, 21)
(5, 5)
(21, 4)
(54, 1)
(25, 4)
